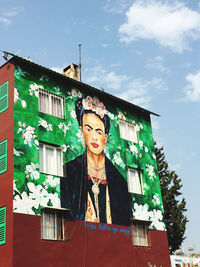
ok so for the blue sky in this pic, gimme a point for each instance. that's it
(147, 52)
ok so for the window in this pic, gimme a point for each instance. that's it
(51, 160)
(3, 97)
(139, 234)
(50, 103)
(3, 156)
(135, 181)
(128, 131)
(2, 225)
(53, 224)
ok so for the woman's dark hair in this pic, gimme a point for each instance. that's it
(80, 111)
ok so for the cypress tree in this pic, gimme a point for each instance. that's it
(174, 205)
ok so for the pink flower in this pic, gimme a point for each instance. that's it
(23, 103)
(96, 101)
(89, 99)
(16, 95)
(93, 108)
(95, 105)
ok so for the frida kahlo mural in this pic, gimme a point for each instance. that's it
(94, 189)
(95, 157)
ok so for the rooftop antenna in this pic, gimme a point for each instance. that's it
(5, 55)
(80, 60)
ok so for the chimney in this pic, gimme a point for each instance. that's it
(72, 71)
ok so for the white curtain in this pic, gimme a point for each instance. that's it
(134, 182)
(139, 234)
(43, 102)
(50, 161)
(59, 165)
(56, 106)
(122, 129)
(52, 225)
(41, 158)
(131, 134)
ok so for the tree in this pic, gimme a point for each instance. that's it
(174, 205)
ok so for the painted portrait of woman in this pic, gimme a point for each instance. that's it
(93, 189)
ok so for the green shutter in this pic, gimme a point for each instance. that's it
(3, 156)
(2, 225)
(3, 97)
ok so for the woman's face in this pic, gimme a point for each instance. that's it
(94, 133)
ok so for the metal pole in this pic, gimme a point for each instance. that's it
(80, 61)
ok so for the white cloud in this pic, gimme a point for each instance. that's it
(114, 81)
(5, 17)
(156, 64)
(116, 6)
(131, 96)
(106, 28)
(138, 52)
(171, 25)
(14, 11)
(106, 79)
(141, 92)
(114, 65)
(193, 88)
(175, 167)
(138, 91)
(5, 21)
(186, 65)
(57, 69)
(154, 84)
(155, 124)
(104, 45)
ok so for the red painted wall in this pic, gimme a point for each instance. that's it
(6, 179)
(85, 247)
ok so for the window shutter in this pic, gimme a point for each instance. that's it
(2, 225)
(3, 156)
(3, 97)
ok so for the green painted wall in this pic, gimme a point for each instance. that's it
(33, 190)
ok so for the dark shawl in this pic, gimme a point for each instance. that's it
(74, 190)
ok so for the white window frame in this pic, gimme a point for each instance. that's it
(43, 152)
(134, 181)
(53, 224)
(125, 134)
(49, 101)
(139, 232)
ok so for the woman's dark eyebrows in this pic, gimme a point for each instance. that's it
(88, 126)
(99, 129)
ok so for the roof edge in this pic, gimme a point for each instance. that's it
(59, 75)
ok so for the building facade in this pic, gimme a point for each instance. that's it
(78, 175)
(185, 261)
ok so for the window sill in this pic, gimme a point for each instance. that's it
(141, 246)
(52, 174)
(55, 240)
(62, 118)
(128, 140)
(136, 194)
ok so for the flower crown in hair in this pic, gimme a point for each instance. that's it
(95, 105)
